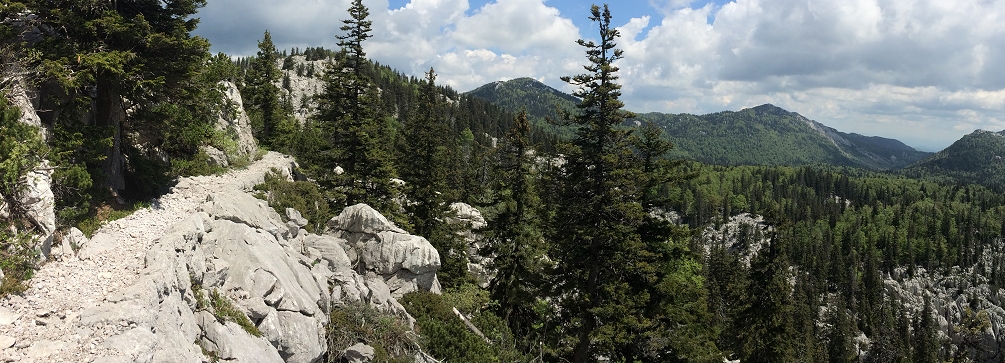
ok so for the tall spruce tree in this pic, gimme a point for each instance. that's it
(348, 111)
(514, 236)
(263, 97)
(630, 290)
(765, 326)
(424, 149)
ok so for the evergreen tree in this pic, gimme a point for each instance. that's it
(514, 236)
(270, 124)
(425, 150)
(926, 342)
(359, 136)
(765, 326)
(135, 55)
(631, 290)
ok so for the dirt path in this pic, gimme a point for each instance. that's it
(41, 325)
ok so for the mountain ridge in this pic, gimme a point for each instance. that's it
(975, 158)
(777, 136)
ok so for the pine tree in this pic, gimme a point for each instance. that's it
(142, 52)
(765, 326)
(925, 342)
(630, 289)
(360, 142)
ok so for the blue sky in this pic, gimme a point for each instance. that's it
(926, 72)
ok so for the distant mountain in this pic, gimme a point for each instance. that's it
(976, 158)
(538, 99)
(763, 135)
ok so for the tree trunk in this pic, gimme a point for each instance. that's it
(110, 112)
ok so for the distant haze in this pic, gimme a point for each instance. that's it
(925, 72)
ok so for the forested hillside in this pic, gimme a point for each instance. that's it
(763, 135)
(975, 158)
(599, 241)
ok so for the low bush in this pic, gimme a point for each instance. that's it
(446, 337)
(303, 196)
(359, 322)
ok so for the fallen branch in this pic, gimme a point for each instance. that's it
(470, 326)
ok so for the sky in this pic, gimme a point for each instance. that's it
(925, 72)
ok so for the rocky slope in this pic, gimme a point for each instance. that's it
(134, 292)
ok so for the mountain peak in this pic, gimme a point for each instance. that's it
(771, 109)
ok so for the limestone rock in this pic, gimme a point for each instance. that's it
(74, 238)
(6, 341)
(245, 209)
(359, 353)
(393, 251)
(294, 216)
(331, 250)
(256, 266)
(361, 218)
(465, 213)
(297, 337)
(745, 234)
(216, 156)
(237, 122)
(231, 342)
(98, 244)
(44, 348)
(7, 316)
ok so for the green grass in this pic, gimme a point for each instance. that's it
(222, 308)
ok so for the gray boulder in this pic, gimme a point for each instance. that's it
(216, 156)
(361, 218)
(294, 216)
(231, 342)
(359, 353)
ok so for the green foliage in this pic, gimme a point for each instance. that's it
(356, 137)
(224, 310)
(359, 322)
(300, 195)
(425, 151)
(975, 158)
(270, 121)
(625, 275)
(444, 336)
(17, 260)
(21, 152)
(198, 165)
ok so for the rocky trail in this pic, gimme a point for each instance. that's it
(43, 325)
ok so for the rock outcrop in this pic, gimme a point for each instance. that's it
(404, 262)
(745, 234)
(232, 249)
(234, 122)
(36, 197)
(471, 222)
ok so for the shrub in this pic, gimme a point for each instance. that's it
(359, 322)
(21, 151)
(444, 335)
(224, 310)
(303, 196)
